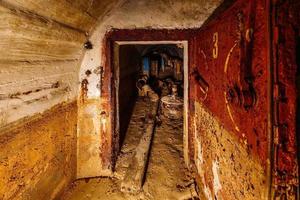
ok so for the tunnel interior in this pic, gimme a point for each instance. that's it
(124, 99)
(159, 66)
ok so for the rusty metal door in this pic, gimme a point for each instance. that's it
(286, 27)
(230, 110)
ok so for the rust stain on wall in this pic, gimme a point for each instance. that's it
(94, 144)
(89, 142)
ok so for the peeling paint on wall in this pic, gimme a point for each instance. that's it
(286, 21)
(207, 193)
(230, 134)
(199, 152)
(224, 76)
(228, 170)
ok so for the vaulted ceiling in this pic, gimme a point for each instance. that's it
(78, 14)
(42, 42)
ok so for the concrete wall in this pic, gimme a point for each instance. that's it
(38, 155)
(39, 64)
(41, 48)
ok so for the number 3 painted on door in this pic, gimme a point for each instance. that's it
(215, 48)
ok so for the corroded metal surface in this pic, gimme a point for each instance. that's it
(286, 22)
(236, 95)
(229, 103)
(223, 73)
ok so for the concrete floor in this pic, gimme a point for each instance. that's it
(166, 177)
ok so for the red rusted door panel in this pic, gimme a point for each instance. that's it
(230, 103)
(243, 101)
(286, 26)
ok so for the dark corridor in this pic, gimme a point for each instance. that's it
(158, 66)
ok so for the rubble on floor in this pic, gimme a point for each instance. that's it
(166, 176)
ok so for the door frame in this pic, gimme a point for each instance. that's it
(109, 138)
(115, 86)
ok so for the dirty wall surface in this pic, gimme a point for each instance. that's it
(229, 103)
(40, 52)
(38, 156)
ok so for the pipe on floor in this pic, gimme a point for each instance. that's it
(133, 180)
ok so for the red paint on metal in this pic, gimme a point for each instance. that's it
(228, 74)
(107, 102)
(150, 34)
(287, 27)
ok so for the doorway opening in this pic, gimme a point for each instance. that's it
(158, 64)
(146, 72)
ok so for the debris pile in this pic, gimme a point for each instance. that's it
(172, 105)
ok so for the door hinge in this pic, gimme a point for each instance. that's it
(279, 93)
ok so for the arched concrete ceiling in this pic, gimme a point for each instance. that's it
(131, 14)
(42, 44)
(78, 14)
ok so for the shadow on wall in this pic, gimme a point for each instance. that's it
(128, 73)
